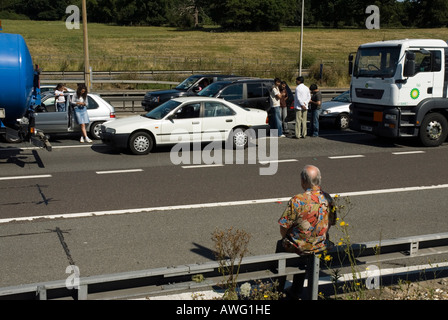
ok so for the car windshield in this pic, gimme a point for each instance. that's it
(379, 62)
(345, 97)
(187, 83)
(161, 111)
(213, 89)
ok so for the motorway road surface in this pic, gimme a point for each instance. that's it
(114, 212)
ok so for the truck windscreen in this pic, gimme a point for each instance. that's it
(376, 62)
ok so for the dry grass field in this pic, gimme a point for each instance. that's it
(54, 47)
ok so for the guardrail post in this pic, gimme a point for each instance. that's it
(82, 292)
(414, 248)
(42, 292)
(312, 271)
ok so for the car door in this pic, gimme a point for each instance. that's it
(184, 124)
(218, 119)
(48, 119)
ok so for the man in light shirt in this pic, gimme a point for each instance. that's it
(275, 108)
(301, 100)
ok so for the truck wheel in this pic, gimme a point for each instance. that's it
(141, 143)
(12, 136)
(434, 130)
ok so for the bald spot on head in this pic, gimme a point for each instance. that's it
(310, 177)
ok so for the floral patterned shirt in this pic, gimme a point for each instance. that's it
(307, 218)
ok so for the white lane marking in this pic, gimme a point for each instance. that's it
(119, 171)
(202, 166)
(213, 205)
(87, 145)
(26, 177)
(347, 157)
(263, 162)
(407, 152)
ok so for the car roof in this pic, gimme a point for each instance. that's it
(197, 98)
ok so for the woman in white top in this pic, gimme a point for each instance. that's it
(60, 99)
(79, 102)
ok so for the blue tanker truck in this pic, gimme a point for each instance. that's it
(19, 92)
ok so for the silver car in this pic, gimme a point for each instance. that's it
(49, 120)
(336, 112)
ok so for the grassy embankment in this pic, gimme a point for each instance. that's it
(266, 54)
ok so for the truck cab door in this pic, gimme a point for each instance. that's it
(427, 81)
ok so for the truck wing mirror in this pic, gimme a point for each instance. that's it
(409, 66)
(350, 64)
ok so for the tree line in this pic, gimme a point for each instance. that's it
(241, 15)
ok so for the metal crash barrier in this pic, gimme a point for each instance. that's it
(163, 281)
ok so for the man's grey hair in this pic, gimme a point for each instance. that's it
(310, 176)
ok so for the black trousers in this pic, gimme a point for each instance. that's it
(298, 279)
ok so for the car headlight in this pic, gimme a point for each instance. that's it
(154, 99)
(390, 116)
(110, 130)
(326, 111)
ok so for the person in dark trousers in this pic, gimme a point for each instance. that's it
(316, 109)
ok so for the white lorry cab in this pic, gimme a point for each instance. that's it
(399, 89)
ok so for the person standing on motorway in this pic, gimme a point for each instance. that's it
(275, 97)
(301, 99)
(79, 102)
(283, 106)
(305, 223)
(60, 98)
(316, 109)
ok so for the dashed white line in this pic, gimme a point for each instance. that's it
(203, 166)
(276, 161)
(407, 152)
(347, 157)
(119, 171)
(27, 177)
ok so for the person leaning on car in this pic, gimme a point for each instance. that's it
(301, 100)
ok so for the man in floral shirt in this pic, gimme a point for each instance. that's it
(306, 220)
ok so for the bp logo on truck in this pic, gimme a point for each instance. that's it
(415, 93)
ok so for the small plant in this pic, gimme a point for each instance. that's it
(230, 248)
(260, 291)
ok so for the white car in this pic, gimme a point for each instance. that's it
(186, 120)
(336, 112)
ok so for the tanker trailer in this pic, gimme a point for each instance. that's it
(19, 92)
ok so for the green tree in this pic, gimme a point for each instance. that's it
(42, 9)
(249, 15)
(102, 11)
(141, 12)
(432, 14)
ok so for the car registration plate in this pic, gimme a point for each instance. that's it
(366, 128)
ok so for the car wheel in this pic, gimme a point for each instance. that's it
(342, 121)
(95, 130)
(434, 130)
(141, 143)
(240, 138)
